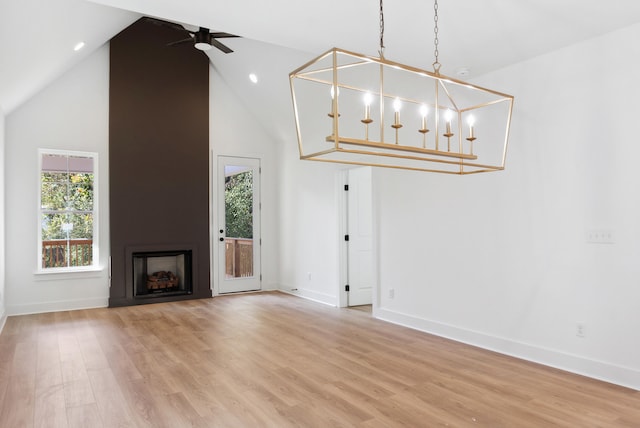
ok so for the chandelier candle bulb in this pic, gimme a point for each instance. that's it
(423, 129)
(368, 98)
(332, 96)
(471, 121)
(333, 103)
(447, 117)
(367, 114)
(397, 125)
(396, 106)
(423, 112)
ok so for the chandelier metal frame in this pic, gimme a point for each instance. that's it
(353, 81)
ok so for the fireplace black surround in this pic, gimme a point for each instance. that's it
(158, 163)
(162, 273)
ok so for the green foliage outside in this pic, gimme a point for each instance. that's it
(67, 213)
(239, 205)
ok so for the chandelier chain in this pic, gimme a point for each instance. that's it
(381, 51)
(436, 64)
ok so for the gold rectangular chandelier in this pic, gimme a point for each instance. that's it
(355, 109)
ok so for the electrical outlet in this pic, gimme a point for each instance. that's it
(392, 293)
(580, 330)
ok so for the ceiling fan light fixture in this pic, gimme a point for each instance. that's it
(203, 46)
(202, 39)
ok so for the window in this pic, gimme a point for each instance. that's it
(68, 220)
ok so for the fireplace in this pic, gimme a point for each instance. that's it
(162, 273)
(158, 167)
(155, 273)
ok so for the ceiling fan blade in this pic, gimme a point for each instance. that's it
(222, 47)
(179, 42)
(166, 23)
(222, 35)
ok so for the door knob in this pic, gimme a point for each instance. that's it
(221, 239)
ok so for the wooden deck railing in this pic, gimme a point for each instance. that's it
(238, 257)
(55, 252)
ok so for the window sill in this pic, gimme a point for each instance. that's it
(67, 273)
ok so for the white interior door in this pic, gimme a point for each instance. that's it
(239, 224)
(360, 230)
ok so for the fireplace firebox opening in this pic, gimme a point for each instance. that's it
(162, 273)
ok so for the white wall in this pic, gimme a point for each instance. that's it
(310, 226)
(3, 316)
(236, 132)
(73, 114)
(501, 260)
(302, 236)
(70, 114)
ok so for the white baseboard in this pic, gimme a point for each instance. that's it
(323, 298)
(63, 305)
(600, 370)
(3, 318)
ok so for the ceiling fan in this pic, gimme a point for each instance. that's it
(201, 39)
(205, 40)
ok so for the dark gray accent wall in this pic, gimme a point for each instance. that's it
(158, 153)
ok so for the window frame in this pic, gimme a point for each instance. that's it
(95, 236)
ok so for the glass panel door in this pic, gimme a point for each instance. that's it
(239, 224)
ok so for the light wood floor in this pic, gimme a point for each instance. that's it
(273, 360)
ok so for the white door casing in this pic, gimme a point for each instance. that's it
(238, 256)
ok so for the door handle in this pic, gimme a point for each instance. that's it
(221, 239)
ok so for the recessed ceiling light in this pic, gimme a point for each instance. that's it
(253, 78)
(78, 46)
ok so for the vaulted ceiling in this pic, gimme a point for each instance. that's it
(37, 36)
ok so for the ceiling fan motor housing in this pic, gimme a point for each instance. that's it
(202, 39)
